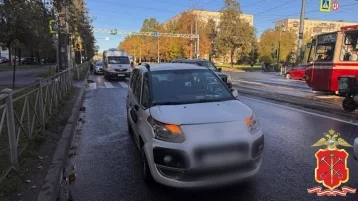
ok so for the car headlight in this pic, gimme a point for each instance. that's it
(166, 132)
(229, 78)
(252, 124)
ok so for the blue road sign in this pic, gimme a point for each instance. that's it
(325, 6)
(155, 34)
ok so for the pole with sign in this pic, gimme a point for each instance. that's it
(335, 5)
(53, 26)
(325, 6)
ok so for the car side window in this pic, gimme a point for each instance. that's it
(138, 86)
(133, 78)
(145, 91)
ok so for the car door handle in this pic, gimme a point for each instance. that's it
(136, 107)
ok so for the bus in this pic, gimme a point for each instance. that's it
(332, 55)
(116, 63)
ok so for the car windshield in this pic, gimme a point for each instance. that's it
(209, 65)
(173, 87)
(99, 64)
(118, 60)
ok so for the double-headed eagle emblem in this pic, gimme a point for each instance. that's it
(331, 140)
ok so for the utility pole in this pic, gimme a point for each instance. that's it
(191, 43)
(197, 40)
(57, 38)
(158, 50)
(67, 40)
(300, 34)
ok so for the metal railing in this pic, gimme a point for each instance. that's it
(24, 113)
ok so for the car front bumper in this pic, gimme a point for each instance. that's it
(194, 176)
(117, 74)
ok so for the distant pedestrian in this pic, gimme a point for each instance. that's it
(132, 64)
(263, 67)
(252, 66)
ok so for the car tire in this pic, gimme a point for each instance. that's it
(288, 76)
(147, 175)
(348, 105)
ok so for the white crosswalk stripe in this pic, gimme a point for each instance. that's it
(108, 85)
(123, 84)
(92, 86)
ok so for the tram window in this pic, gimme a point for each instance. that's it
(324, 52)
(349, 50)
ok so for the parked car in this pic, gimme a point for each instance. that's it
(191, 130)
(296, 73)
(356, 148)
(98, 68)
(28, 61)
(202, 62)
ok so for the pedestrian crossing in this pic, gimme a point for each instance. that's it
(108, 85)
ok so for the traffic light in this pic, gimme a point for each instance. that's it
(114, 31)
(53, 26)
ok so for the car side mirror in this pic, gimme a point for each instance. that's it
(234, 92)
(220, 69)
(355, 147)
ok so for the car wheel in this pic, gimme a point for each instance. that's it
(288, 76)
(147, 176)
(348, 105)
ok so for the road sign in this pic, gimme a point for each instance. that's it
(335, 5)
(155, 34)
(325, 6)
(53, 26)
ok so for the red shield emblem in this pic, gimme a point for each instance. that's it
(332, 168)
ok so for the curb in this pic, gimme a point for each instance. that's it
(307, 103)
(52, 182)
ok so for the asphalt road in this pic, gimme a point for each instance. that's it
(22, 77)
(108, 164)
(269, 78)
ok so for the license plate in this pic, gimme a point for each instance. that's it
(222, 158)
(121, 75)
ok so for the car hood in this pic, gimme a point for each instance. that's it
(119, 66)
(201, 113)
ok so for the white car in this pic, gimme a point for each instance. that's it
(191, 129)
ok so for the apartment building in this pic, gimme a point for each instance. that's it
(206, 15)
(313, 27)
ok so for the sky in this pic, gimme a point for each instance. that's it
(128, 15)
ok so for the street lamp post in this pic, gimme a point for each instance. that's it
(157, 44)
(282, 28)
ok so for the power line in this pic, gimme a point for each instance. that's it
(275, 7)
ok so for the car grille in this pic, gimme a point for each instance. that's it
(224, 79)
(120, 70)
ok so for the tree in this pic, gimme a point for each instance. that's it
(270, 39)
(292, 58)
(234, 32)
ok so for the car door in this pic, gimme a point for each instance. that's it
(134, 100)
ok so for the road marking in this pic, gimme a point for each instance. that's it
(298, 110)
(92, 85)
(123, 84)
(108, 85)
